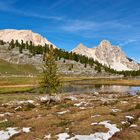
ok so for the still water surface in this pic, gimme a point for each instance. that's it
(99, 88)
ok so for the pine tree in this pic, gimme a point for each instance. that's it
(1, 42)
(51, 81)
(99, 69)
(12, 44)
(85, 65)
(20, 48)
(17, 43)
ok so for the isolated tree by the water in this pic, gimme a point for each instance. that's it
(51, 80)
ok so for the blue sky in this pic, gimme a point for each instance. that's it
(69, 22)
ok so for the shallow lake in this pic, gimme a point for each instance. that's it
(71, 88)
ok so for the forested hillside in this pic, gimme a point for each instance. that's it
(65, 55)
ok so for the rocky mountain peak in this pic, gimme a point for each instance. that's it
(26, 35)
(106, 54)
(81, 45)
(104, 44)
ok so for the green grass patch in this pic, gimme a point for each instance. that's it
(64, 123)
(7, 68)
(15, 90)
(18, 80)
(113, 114)
(65, 105)
(138, 106)
(6, 124)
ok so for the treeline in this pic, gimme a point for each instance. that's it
(130, 73)
(2, 42)
(29, 46)
(60, 53)
(83, 60)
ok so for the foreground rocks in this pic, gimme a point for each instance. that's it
(50, 99)
(76, 116)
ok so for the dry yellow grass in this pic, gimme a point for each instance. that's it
(44, 119)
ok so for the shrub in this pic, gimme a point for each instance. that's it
(64, 123)
(137, 106)
(6, 124)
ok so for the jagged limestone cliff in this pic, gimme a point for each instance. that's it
(109, 55)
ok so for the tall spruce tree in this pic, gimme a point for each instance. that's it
(51, 80)
(11, 44)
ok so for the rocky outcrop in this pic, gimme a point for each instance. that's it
(13, 56)
(25, 35)
(83, 50)
(111, 56)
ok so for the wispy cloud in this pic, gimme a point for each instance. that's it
(59, 4)
(79, 25)
(36, 15)
(8, 6)
(127, 42)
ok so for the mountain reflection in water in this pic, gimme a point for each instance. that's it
(100, 88)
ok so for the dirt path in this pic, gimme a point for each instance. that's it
(16, 86)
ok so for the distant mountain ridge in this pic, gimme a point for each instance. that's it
(26, 35)
(105, 53)
(109, 55)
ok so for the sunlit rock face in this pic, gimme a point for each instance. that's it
(83, 50)
(25, 35)
(111, 56)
